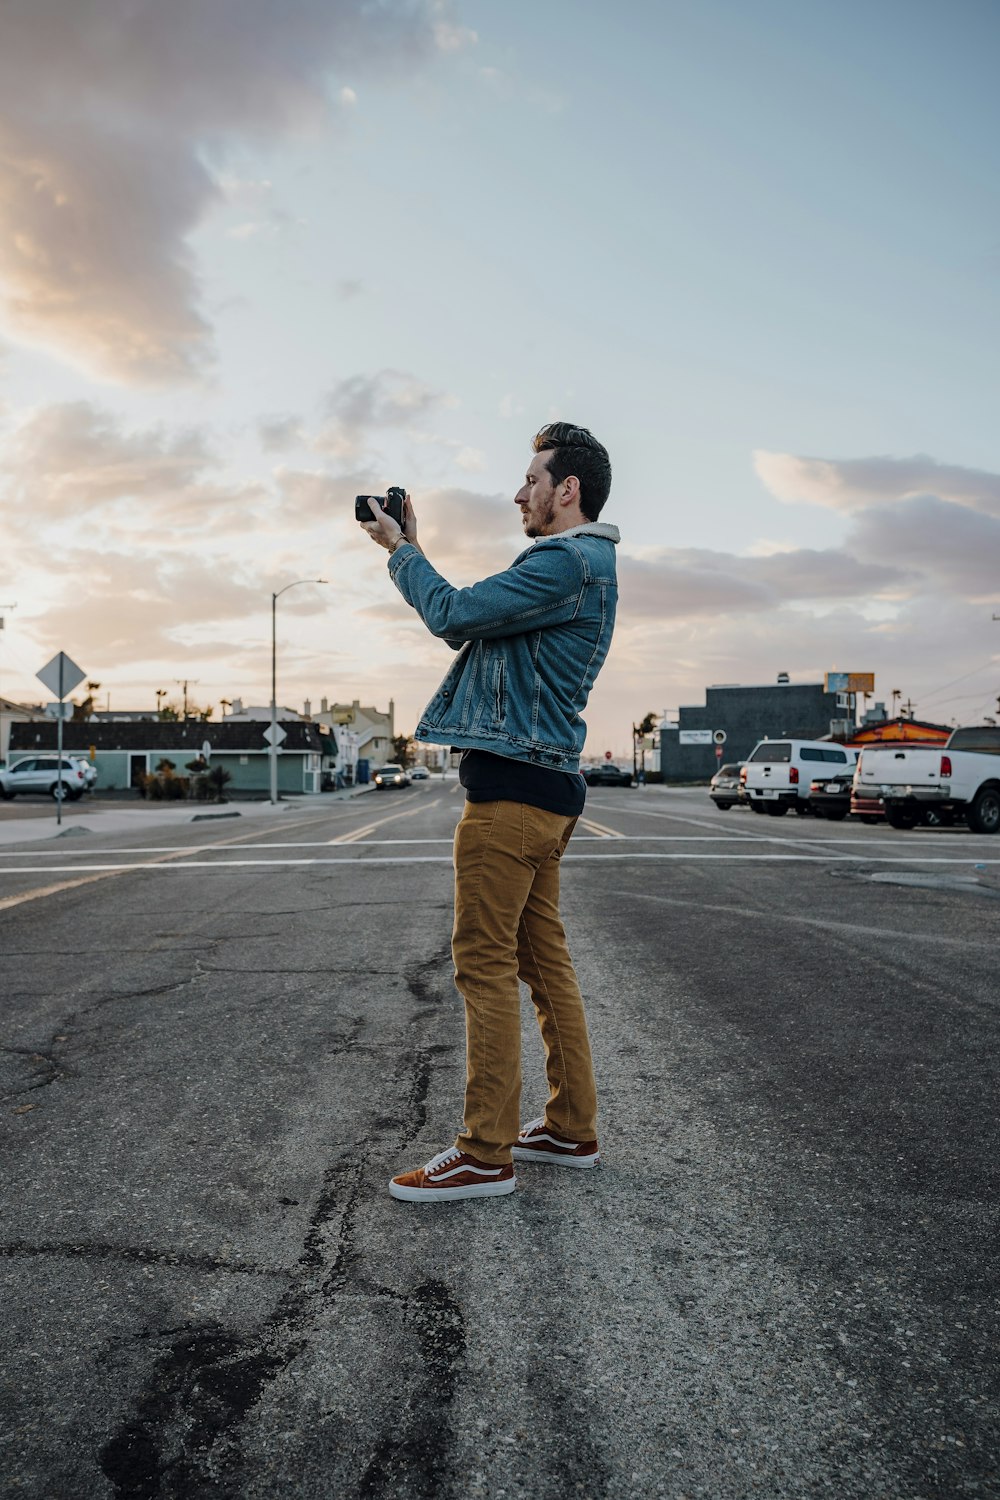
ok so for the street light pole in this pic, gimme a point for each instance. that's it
(272, 751)
(3, 749)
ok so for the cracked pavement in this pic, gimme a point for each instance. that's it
(782, 1281)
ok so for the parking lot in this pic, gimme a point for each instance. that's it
(220, 1038)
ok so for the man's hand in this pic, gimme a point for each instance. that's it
(383, 529)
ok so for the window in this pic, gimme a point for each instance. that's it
(808, 754)
(775, 751)
(983, 740)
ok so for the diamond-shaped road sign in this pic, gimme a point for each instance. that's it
(274, 734)
(61, 675)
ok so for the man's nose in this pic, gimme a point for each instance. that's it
(521, 495)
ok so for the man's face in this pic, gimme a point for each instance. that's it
(537, 497)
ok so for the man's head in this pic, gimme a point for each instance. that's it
(568, 480)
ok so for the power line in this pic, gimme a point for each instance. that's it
(932, 692)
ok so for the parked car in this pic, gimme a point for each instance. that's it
(41, 775)
(419, 773)
(607, 774)
(87, 767)
(725, 787)
(830, 797)
(939, 783)
(390, 776)
(779, 773)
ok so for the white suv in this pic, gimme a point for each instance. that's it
(779, 773)
(40, 774)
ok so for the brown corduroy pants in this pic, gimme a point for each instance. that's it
(508, 928)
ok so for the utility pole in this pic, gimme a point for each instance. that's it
(273, 732)
(184, 684)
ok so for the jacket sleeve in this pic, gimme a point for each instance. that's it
(543, 589)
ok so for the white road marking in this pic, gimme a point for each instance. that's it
(599, 829)
(446, 859)
(359, 833)
(699, 822)
(106, 871)
(771, 915)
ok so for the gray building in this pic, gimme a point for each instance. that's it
(801, 710)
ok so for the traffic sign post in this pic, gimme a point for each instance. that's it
(60, 675)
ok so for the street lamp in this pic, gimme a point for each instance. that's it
(272, 752)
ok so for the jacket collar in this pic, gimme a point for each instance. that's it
(592, 528)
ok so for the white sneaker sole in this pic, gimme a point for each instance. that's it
(528, 1153)
(449, 1194)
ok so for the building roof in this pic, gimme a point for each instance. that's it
(183, 736)
(900, 728)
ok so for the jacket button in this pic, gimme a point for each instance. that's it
(445, 695)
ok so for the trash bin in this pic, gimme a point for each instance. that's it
(362, 777)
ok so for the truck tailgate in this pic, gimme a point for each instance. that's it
(899, 767)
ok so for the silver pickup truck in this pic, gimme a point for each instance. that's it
(940, 783)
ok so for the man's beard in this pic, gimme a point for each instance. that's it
(538, 528)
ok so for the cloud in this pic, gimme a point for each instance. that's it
(113, 117)
(681, 583)
(74, 462)
(468, 535)
(277, 434)
(361, 404)
(952, 548)
(856, 483)
(129, 607)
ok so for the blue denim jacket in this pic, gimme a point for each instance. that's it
(530, 643)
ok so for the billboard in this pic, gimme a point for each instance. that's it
(849, 682)
(694, 737)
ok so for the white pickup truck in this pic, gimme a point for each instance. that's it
(960, 779)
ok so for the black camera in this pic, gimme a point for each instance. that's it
(391, 502)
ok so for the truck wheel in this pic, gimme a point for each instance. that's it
(983, 815)
(836, 817)
(899, 817)
(776, 809)
(755, 806)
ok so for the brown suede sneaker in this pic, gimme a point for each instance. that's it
(537, 1143)
(453, 1174)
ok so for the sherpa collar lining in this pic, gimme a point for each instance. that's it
(592, 528)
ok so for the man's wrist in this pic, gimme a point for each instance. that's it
(399, 542)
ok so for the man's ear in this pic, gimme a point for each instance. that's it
(571, 490)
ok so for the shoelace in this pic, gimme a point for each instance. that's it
(533, 1125)
(442, 1159)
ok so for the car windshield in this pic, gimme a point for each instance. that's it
(390, 771)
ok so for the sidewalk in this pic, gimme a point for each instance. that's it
(31, 822)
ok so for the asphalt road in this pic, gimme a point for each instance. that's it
(220, 1039)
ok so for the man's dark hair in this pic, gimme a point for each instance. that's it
(576, 451)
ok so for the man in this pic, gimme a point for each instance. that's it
(531, 641)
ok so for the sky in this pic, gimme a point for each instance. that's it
(255, 259)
